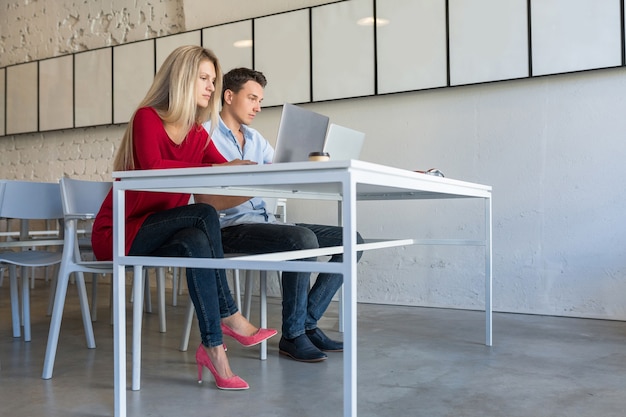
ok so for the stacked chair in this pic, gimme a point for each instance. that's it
(81, 201)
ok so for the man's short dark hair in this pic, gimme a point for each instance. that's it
(237, 77)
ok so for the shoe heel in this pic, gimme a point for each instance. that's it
(199, 373)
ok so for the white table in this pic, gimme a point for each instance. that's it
(343, 181)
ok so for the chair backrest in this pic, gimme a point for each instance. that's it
(276, 206)
(29, 200)
(81, 202)
(83, 198)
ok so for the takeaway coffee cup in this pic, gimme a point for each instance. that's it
(319, 156)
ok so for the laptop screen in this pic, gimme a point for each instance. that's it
(343, 143)
(300, 132)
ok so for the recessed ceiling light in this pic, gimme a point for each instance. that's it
(369, 21)
(244, 43)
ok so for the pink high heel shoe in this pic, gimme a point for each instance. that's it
(232, 383)
(247, 341)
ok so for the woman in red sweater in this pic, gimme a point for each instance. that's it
(166, 132)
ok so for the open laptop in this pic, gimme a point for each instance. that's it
(300, 132)
(343, 143)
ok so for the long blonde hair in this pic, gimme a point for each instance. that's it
(173, 96)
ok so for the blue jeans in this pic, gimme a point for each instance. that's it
(192, 231)
(301, 308)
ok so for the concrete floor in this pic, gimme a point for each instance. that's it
(412, 361)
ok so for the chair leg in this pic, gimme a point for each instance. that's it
(237, 288)
(174, 286)
(263, 304)
(146, 294)
(55, 323)
(184, 341)
(341, 303)
(181, 281)
(160, 272)
(248, 295)
(21, 274)
(26, 306)
(94, 297)
(263, 312)
(175, 276)
(32, 277)
(84, 309)
(138, 284)
(15, 301)
(53, 286)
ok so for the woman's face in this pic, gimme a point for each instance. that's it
(205, 85)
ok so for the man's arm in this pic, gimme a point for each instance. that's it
(220, 202)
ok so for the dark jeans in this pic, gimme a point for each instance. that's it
(301, 308)
(192, 231)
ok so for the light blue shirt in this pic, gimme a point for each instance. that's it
(256, 148)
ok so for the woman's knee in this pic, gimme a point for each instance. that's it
(195, 243)
(205, 211)
(207, 216)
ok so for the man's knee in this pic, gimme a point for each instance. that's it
(302, 238)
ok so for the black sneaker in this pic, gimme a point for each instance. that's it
(322, 342)
(300, 349)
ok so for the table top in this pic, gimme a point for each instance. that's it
(308, 180)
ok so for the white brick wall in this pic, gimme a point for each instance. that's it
(31, 30)
(80, 153)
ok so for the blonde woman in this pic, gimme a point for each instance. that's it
(166, 132)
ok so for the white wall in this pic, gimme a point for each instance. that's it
(551, 147)
(553, 150)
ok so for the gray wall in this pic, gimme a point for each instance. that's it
(549, 146)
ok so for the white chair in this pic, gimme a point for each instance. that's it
(28, 201)
(81, 201)
(10, 234)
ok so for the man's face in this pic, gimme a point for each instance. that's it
(245, 104)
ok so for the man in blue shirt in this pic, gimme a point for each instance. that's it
(248, 225)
